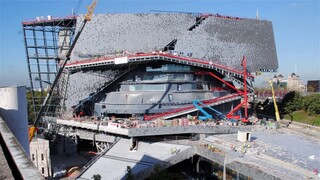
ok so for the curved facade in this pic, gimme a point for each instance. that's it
(157, 85)
(224, 40)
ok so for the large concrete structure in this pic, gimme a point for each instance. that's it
(14, 145)
(151, 66)
(40, 156)
(273, 154)
(13, 109)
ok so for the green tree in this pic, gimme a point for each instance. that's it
(291, 102)
(311, 104)
(38, 99)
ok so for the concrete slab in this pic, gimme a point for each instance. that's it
(5, 172)
(282, 153)
(201, 128)
(19, 157)
(113, 164)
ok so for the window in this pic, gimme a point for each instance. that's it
(42, 169)
(147, 87)
(42, 157)
(33, 157)
(170, 97)
(169, 68)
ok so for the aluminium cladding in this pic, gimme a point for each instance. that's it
(223, 40)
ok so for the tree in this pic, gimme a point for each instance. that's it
(291, 102)
(311, 104)
(38, 98)
(314, 108)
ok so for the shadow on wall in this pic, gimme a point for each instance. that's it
(19, 130)
(146, 167)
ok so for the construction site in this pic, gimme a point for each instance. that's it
(161, 91)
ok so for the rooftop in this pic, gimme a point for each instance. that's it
(271, 153)
(283, 153)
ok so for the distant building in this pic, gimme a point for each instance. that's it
(313, 86)
(279, 81)
(40, 156)
(295, 83)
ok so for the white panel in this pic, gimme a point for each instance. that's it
(121, 60)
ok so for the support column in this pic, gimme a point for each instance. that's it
(133, 144)
(198, 166)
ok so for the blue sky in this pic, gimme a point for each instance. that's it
(295, 23)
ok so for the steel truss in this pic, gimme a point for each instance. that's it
(45, 43)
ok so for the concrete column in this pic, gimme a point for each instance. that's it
(76, 140)
(224, 168)
(198, 166)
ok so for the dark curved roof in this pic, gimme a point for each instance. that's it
(223, 40)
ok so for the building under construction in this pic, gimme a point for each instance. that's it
(133, 79)
(148, 65)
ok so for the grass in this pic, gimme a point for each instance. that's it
(303, 117)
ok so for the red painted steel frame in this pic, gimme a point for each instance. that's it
(244, 93)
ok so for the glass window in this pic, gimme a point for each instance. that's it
(186, 77)
(169, 67)
(147, 87)
(154, 87)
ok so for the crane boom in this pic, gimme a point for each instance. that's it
(87, 18)
(274, 102)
